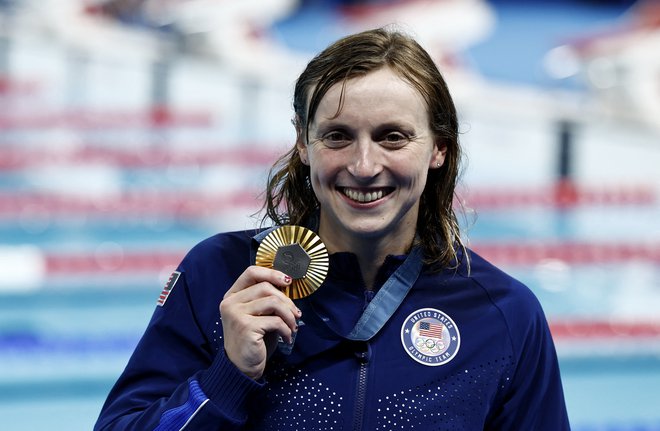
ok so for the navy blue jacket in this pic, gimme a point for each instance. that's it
(461, 352)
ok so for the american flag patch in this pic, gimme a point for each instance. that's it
(168, 288)
(427, 329)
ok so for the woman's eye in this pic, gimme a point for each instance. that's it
(394, 139)
(336, 138)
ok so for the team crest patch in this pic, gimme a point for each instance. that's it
(430, 337)
(165, 293)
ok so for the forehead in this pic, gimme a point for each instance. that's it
(381, 92)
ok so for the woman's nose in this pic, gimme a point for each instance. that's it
(365, 162)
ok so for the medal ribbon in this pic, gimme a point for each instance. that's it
(388, 298)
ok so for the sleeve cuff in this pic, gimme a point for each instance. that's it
(225, 384)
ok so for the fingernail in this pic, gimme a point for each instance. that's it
(298, 312)
(287, 279)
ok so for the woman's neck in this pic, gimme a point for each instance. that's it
(370, 255)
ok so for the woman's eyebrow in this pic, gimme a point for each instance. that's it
(395, 125)
(331, 124)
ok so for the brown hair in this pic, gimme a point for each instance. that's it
(289, 195)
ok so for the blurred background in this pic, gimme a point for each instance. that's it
(132, 129)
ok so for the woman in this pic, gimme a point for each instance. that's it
(410, 330)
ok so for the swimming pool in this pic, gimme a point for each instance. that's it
(63, 344)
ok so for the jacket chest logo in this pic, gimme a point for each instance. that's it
(430, 337)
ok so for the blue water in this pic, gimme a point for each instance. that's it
(63, 346)
(62, 350)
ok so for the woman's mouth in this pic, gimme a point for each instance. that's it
(365, 196)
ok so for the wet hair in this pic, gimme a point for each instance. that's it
(289, 195)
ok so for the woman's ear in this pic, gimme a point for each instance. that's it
(302, 152)
(438, 156)
(301, 145)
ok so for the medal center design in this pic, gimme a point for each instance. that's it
(292, 260)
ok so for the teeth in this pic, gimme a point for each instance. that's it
(363, 197)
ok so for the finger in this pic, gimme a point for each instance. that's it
(244, 319)
(261, 326)
(257, 274)
(273, 324)
(260, 290)
(256, 291)
(261, 300)
(271, 306)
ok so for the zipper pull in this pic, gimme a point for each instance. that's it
(363, 352)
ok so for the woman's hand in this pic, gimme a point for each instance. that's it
(254, 313)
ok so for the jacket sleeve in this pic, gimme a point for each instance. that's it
(534, 398)
(174, 380)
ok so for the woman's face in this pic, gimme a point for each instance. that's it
(369, 163)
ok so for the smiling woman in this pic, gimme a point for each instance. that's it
(368, 160)
(430, 115)
(409, 329)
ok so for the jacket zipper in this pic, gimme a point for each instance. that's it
(361, 395)
(363, 354)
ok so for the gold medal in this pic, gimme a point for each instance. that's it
(299, 253)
